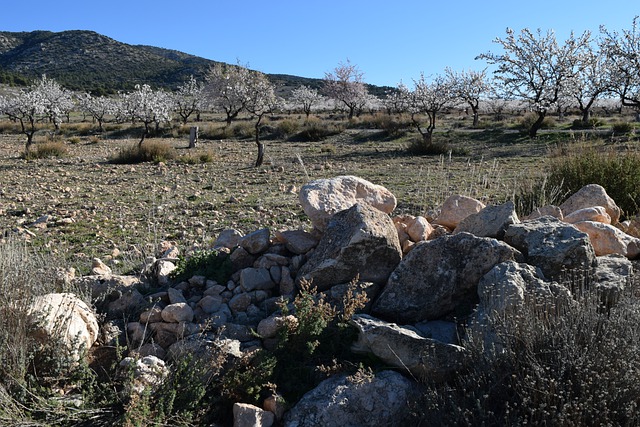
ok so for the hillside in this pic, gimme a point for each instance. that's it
(88, 61)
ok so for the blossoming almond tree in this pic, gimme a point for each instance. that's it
(26, 107)
(307, 98)
(534, 67)
(148, 106)
(469, 87)
(428, 97)
(261, 100)
(623, 52)
(345, 85)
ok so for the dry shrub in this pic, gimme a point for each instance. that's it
(148, 151)
(577, 367)
(45, 150)
(617, 170)
(24, 275)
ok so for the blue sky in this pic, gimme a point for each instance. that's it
(389, 41)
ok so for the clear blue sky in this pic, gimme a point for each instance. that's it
(389, 41)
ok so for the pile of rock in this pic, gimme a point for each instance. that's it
(421, 274)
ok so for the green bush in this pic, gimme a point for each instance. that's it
(535, 194)
(149, 151)
(212, 264)
(592, 123)
(287, 127)
(622, 128)
(617, 171)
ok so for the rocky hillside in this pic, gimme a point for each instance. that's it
(88, 61)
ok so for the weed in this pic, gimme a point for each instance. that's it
(149, 151)
(209, 263)
(45, 150)
(618, 171)
(575, 367)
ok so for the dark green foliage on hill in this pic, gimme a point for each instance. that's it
(88, 61)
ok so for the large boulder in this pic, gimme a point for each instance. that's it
(359, 241)
(491, 221)
(63, 318)
(509, 285)
(611, 277)
(589, 196)
(607, 239)
(552, 245)
(323, 198)
(378, 400)
(425, 358)
(440, 277)
(456, 208)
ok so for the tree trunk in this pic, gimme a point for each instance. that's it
(260, 157)
(260, 145)
(535, 127)
(586, 115)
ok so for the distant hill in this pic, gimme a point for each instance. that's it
(88, 61)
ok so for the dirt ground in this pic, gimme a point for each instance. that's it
(81, 206)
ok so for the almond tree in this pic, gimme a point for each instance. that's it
(535, 68)
(469, 87)
(345, 86)
(147, 105)
(98, 107)
(592, 80)
(188, 99)
(307, 98)
(397, 101)
(58, 101)
(26, 107)
(261, 100)
(226, 89)
(622, 50)
(428, 98)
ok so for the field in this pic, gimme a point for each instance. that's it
(89, 203)
(88, 206)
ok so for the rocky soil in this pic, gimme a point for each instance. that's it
(81, 206)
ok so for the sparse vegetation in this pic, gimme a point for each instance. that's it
(149, 151)
(575, 367)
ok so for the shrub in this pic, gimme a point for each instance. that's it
(243, 130)
(576, 367)
(287, 127)
(617, 171)
(209, 263)
(315, 130)
(197, 158)
(622, 128)
(592, 123)
(45, 150)
(525, 122)
(26, 392)
(149, 151)
(535, 194)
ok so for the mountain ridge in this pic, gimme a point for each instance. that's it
(85, 60)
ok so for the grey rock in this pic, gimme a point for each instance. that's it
(425, 358)
(252, 279)
(341, 401)
(440, 277)
(552, 245)
(360, 241)
(257, 241)
(492, 221)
